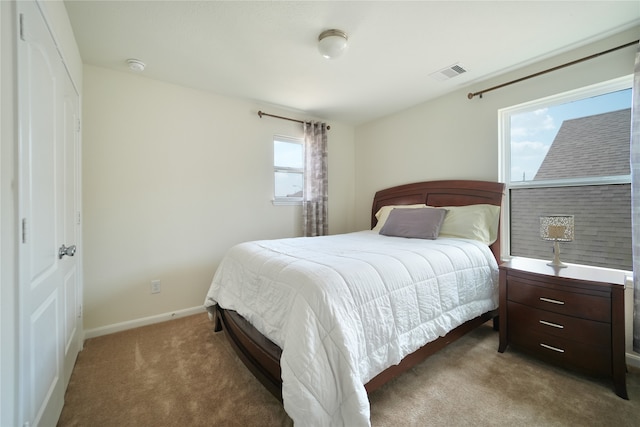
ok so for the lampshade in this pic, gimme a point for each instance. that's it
(331, 43)
(558, 228)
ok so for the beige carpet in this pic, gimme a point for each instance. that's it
(181, 373)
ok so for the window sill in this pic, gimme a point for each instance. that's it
(627, 274)
(277, 202)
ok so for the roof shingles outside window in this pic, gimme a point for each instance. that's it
(589, 146)
(596, 145)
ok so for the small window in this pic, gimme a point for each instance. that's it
(288, 166)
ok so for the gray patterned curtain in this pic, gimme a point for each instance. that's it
(635, 196)
(315, 204)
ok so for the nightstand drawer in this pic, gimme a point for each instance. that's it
(587, 358)
(562, 326)
(577, 304)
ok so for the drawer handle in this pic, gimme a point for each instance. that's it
(552, 301)
(555, 325)
(559, 350)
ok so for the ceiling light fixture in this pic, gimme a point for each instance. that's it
(136, 65)
(331, 43)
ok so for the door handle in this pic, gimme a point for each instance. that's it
(64, 250)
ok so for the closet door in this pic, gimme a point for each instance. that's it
(48, 209)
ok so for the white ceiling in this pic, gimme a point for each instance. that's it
(266, 50)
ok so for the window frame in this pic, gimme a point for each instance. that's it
(283, 201)
(504, 150)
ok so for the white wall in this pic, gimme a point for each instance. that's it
(173, 177)
(453, 137)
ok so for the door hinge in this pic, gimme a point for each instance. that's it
(80, 311)
(24, 230)
(78, 125)
(21, 24)
(78, 221)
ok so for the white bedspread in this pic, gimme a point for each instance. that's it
(343, 308)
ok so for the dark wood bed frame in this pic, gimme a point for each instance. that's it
(262, 356)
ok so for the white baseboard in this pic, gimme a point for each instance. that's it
(136, 323)
(633, 360)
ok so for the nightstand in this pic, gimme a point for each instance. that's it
(572, 317)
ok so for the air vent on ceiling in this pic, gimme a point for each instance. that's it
(448, 72)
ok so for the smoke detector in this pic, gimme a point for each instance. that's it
(136, 65)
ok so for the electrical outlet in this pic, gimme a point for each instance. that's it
(155, 286)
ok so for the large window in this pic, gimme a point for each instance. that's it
(569, 155)
(288, 165)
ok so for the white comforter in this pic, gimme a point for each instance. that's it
(343, 308)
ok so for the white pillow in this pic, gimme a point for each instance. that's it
(383, 213)
(477, 222)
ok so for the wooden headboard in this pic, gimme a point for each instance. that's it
(442, 193)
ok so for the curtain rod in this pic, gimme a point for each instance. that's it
(595, 55)
(262, 113)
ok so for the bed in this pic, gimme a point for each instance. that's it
(315, 342)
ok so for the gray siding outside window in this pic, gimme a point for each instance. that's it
(602, 230)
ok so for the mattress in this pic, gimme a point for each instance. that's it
(343, 308)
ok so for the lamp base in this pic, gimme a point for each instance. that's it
(558, 264)
(556, 257)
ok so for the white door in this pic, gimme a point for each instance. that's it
(48, 182)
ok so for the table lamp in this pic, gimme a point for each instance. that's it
(558, 228)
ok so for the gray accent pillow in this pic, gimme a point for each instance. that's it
(414, 223)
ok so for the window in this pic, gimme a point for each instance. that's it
(569, 155)
(288, 166)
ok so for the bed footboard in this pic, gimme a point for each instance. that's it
(258, 353)
(427, 350)
(262, 356)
